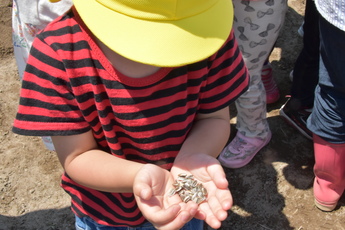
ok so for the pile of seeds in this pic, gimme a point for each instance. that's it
(188, 189)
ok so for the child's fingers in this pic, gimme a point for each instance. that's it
(217, 208)
(218, 176)
(225, 199)
(210, 218)
(200, 215)
(179, 220)
(170, 218)
(185, 214)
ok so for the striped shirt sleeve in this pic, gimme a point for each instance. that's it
(227, 78)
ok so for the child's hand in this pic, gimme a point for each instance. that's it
(207, 170)
(151, 187)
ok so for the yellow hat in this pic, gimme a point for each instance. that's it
(163, 33)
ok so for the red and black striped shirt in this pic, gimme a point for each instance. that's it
(69, 88)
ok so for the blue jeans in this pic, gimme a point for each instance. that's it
(86, 223)
(328, 117)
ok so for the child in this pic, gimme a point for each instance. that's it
(135, 93)
(26, 23)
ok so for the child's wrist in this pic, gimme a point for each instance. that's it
(189, 158)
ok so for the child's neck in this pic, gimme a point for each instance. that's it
(127, 67)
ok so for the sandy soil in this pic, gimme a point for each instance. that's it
(273, 192)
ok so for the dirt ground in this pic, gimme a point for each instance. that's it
(273, 192)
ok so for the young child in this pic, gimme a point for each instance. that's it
(135, 93)
(26, 23)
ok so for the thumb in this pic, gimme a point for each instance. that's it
(142, 188)
(145, 193)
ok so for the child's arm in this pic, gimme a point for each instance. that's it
(198, 157)
(93, 168)
(99, 170)
(208, 135)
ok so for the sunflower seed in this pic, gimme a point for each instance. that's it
(188, 189)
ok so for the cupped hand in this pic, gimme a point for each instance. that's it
(207, 170)
(151, 188)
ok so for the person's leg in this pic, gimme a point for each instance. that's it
(256, 32)
(256, 25)
(306, 69)
(329, 170)
(327, 120)
(305, 75)
(271, 88)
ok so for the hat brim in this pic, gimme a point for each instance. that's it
(159, 43)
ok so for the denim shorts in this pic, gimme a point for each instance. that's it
(86, 223)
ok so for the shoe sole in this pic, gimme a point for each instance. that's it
(292, 123)
(223, 163)
(325, 208)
